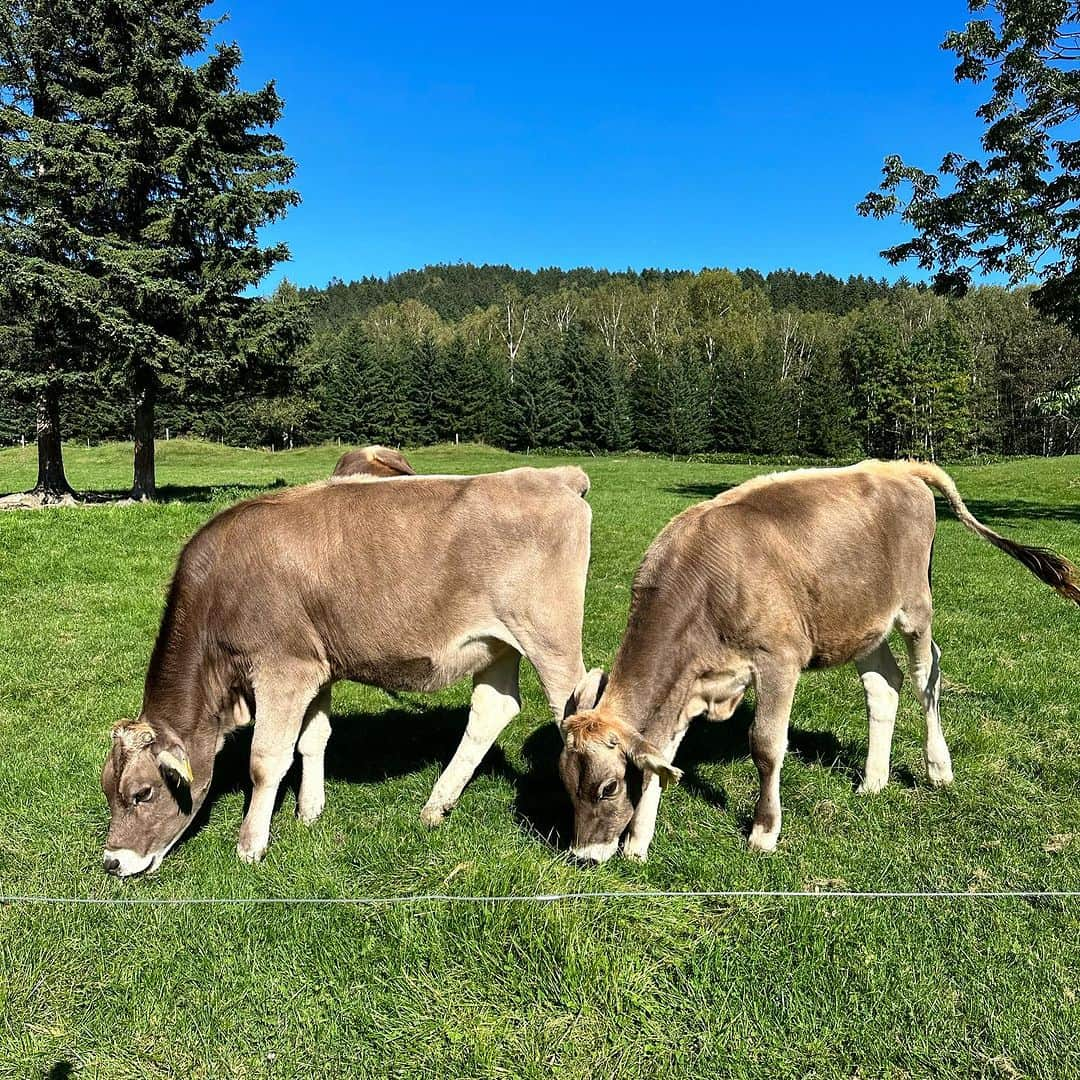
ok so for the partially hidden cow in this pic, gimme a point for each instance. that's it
(804, 569)
(406, 584)
(373, 461)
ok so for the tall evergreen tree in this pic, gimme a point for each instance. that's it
(135, 182)
(539, 404)
(53, 194)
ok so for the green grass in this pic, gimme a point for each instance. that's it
(634, 987)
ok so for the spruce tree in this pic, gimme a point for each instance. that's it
(53, 191)
(135, 182)
(538, 404)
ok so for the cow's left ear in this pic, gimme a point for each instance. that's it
(648, 759)
(173, 761)
(588, 692)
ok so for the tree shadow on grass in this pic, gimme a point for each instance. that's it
(166, 493)
(188, 493)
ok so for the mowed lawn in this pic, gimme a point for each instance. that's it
(634, 986)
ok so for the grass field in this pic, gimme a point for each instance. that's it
(634, 986)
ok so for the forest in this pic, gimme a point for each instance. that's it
(786, 364)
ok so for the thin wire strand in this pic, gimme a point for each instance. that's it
(542, 898)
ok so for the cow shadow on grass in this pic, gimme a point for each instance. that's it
(364, 748)
(543, 808)
(371, 747)
(986, 510)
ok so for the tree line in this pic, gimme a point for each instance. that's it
(680, 363)
(136, 174)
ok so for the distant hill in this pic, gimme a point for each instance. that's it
(456, 289)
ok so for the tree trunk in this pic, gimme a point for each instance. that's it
(52, 485)
(144, 486)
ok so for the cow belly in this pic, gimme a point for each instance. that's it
(425, 673)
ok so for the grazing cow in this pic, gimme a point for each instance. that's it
(812, 568)
(406, 584)
(373, 461)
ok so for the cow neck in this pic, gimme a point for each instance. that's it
(183, 688)
(644, 679)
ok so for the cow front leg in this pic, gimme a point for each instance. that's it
(642, 827)
(881, 679)
(279, 713)
(768, 744)
(496, 700)
(312, 748)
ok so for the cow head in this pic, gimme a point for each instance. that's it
(153, 794)
(598, 752)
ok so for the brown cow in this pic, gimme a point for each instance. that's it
(406, 584)
(373, 461)
(804, 569)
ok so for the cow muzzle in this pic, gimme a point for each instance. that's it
(123, 862)
(595, 853)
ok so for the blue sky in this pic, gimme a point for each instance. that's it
(597, 134)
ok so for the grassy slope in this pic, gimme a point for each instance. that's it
(638, 987)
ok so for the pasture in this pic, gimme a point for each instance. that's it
(781, 987)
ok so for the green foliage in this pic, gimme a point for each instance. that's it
(134, 177)
(688, 364)
(1015, 212)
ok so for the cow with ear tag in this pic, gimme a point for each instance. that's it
(152, 791)
(598, 747)
(806, 569)
(405, 585)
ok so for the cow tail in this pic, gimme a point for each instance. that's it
(1046, 565)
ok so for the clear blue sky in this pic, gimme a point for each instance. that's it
(601, 135)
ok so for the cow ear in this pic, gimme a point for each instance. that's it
(173, 762)
(648, 759)
(394, 460)
(588, 692)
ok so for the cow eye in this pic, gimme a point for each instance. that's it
(142, 795)
(608, 789)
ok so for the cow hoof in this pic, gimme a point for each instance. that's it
(871, 786)
(635, 849)
(433, 816)
(939, 772)
(760, 840)
(310, 813)
(250, 855)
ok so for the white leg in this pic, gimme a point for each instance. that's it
(881, 679)
(643, 823)
(924, 658)
(768, 744)
(312, 747)
(279, 712)
(496, 700)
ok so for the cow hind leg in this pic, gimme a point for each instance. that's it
(881, 678)
(280, 707)
(924, 660)
(768, 743)
(496, 700)
(312, 748)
